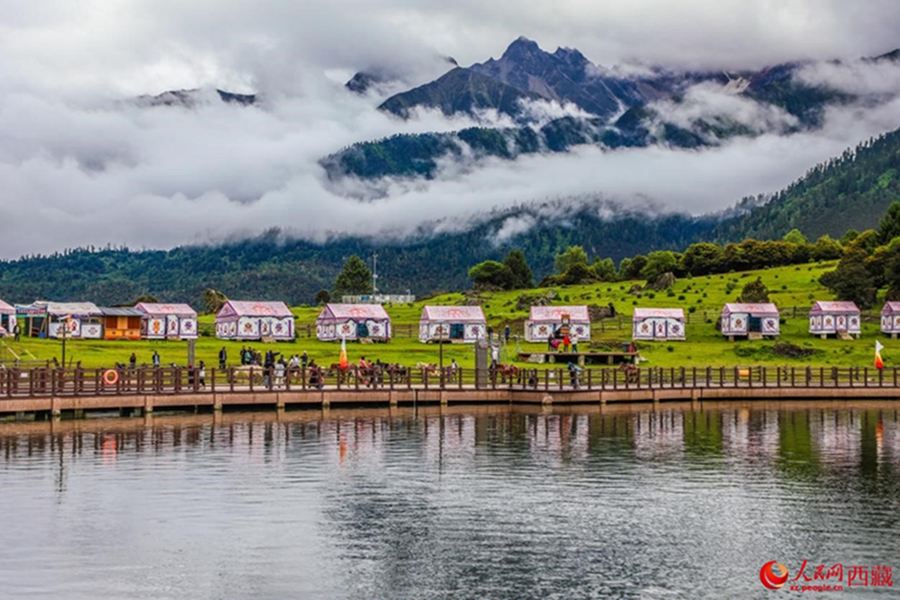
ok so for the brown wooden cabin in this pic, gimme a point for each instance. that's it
(121, 323)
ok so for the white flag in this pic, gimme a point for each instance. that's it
(878, 347)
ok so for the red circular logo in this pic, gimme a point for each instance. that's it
(773, 575)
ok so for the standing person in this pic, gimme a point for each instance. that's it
(201, 375)
(304, 359)
(155, 359)
(573, 374)
(574, 340)
(279, 373)
(133, 360)
(495, 356)
(269, 365)
(506, 334)
(17, 332)
(566, 342)
(223, 358)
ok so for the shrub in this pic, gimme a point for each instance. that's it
(692, 309)
(681, 297)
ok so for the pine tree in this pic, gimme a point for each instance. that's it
(355, 279)
(520, 276)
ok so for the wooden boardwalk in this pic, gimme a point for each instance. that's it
(54, 392)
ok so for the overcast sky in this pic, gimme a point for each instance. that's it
(79, 167)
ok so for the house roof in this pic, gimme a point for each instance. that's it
(178, 310)
(6, 309)
(72, 309)
(665, 313)
(555, 313)
(456, 314)
(250, 308)
(108, 311)
(835, 307)
(754, 309)
(354, 311)
(890, 307)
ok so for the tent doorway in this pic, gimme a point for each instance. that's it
(362, 330)
(457, 331)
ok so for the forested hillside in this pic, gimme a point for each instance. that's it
(851, 191)
(271, 267)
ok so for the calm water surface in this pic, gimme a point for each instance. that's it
(468, 502)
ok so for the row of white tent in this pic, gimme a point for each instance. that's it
(254, 320)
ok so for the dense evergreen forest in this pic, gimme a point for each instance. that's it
(848, 192)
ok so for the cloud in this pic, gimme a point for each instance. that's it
(717, 104)
(81, 165)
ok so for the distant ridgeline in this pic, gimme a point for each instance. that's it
(849, 192)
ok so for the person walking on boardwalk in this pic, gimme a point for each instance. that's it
(201, 375)
(223, 358)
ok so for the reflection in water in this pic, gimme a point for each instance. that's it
(448, 503)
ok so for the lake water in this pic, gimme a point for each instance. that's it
(461, 503)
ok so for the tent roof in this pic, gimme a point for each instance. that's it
(6, 309)
(72, 309)
(666, 313)
(755, 309)
(250, 308)
(107, 311)
(354, 311)
(179, 310)
(456, 314)
(891, 307)
(555, 313)
(835, 307)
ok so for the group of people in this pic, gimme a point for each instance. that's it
(562, 342)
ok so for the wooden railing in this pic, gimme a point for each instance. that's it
(58, 382)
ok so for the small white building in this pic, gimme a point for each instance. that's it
(750, 320)
(251, 320)
(890, 319)
(545, 321)
(463, 324)
(82, 319)
(162, 321)
(353, 322)
(834, 318)
(7, 317)
(658, 324)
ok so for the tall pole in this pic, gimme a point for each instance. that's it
(374, 273)
(441, 342)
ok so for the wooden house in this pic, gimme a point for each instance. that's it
(753, 321)
(165, 321)
(546, 321)
(890, 319)
(353, 322)
(835, 318)
(121, 323)
(252, 320)
(462, 324)
(658, 324)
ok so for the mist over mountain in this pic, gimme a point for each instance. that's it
(556, 101)
(182, 126)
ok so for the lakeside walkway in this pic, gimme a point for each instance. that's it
(54, 392)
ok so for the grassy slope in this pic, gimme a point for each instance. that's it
(704, 346)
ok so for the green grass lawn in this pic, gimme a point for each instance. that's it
(795, 286)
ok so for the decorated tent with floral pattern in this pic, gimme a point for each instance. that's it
(658, 324)
(353, 322)
(248, 320)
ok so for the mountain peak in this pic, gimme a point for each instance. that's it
(522, 47)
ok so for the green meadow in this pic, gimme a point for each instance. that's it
(701, 297)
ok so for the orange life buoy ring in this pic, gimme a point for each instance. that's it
(111, 377)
